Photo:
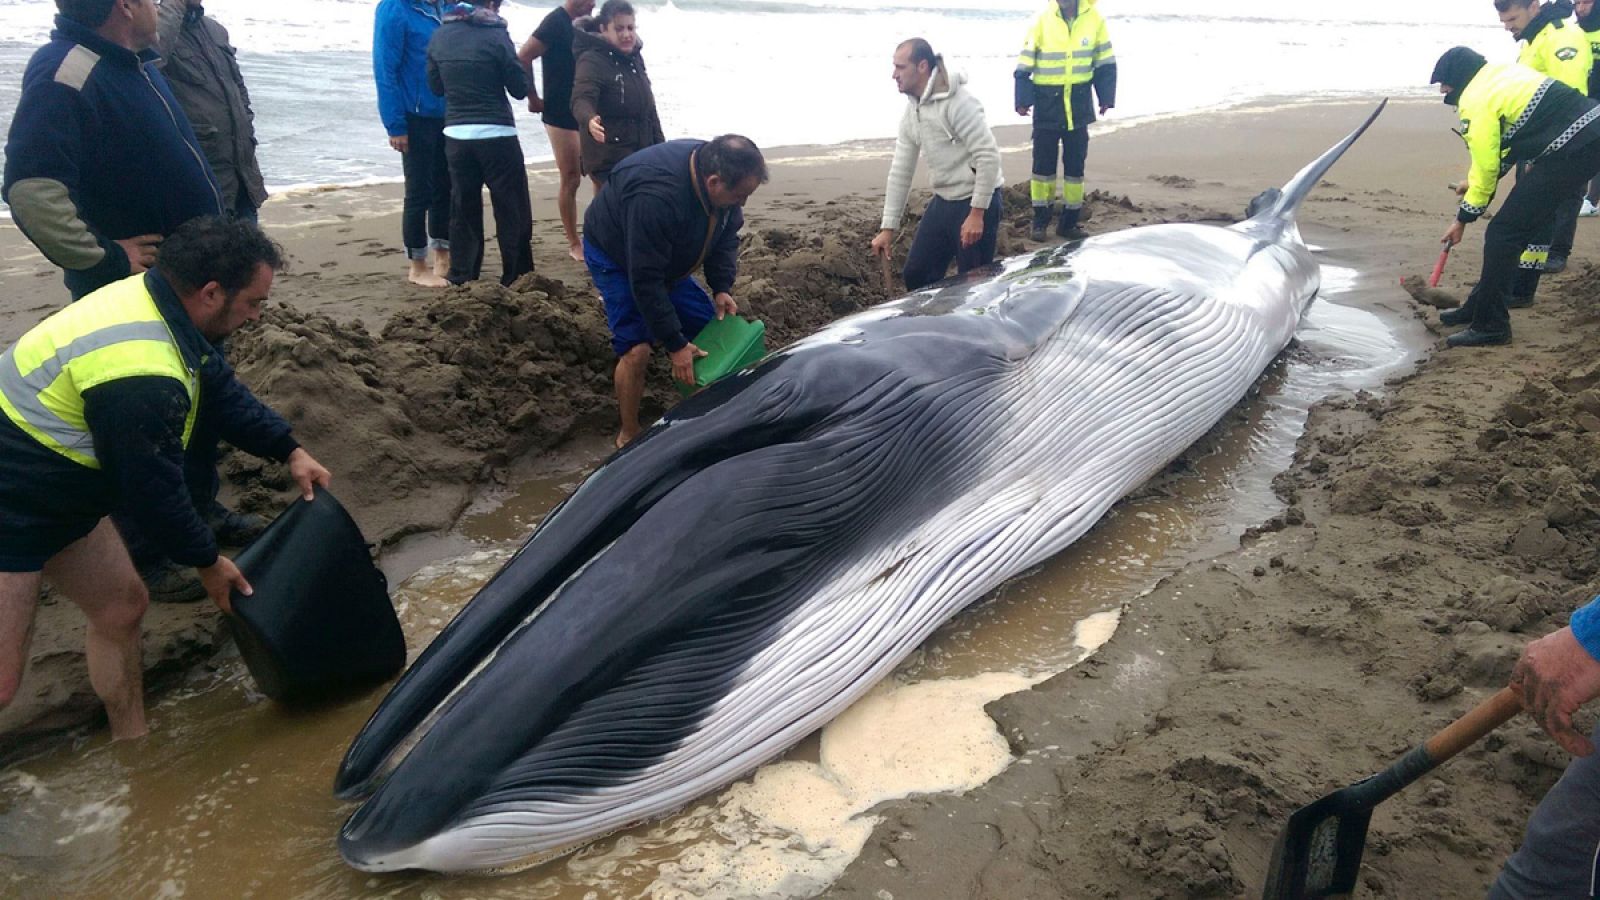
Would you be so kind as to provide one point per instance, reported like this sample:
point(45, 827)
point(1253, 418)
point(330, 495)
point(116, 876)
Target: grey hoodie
point(947, 125)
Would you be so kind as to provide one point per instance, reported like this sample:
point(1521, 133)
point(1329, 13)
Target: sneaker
point(1553, 264)
point(232, 528)
point(1589, 209)
point(1472, 337)
point(1458, 316)
point(169, 582)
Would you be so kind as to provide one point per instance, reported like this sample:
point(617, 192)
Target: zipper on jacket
point(216, 192)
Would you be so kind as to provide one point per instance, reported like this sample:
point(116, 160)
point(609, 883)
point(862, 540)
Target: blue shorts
point(622, 312)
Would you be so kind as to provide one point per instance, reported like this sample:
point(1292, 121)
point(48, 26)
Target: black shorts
point(28, 541)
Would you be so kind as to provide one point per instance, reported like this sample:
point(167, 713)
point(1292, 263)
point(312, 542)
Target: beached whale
point(776, 544)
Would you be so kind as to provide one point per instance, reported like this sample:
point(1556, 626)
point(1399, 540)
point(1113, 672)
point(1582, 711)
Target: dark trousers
point(496, 162)
point(1560, 852)
point(425, 218)
point(1074, 150)
point(1526, 219)
point(1566, 226)
point(938, 241)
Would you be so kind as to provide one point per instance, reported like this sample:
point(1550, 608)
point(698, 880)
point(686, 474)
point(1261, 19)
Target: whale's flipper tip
point(1288, 201)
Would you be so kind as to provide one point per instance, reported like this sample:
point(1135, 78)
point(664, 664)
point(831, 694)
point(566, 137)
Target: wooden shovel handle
point(1465, 731)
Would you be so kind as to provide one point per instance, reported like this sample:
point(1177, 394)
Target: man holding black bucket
point(97, 404)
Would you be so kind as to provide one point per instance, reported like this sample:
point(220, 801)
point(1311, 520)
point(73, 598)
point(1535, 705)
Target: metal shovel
point(1318, 853)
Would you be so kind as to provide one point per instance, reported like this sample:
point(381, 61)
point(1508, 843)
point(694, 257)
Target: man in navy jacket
point(666, 211)
point(101, 163)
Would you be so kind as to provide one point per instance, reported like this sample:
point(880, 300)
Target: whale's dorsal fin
point(1280, 214)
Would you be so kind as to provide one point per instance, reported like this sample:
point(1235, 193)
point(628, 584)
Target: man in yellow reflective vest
point(1556, 48)
point(1588, 20)
point(97, 404)
point(1066, 54)
point(1511, 114)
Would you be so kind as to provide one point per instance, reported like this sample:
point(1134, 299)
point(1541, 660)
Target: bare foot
point(576, 252)
point(441, 263)
point(624, 439)
point(419, 275)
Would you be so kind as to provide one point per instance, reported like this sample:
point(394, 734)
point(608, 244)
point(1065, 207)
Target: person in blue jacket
point(101, 163)
point(1560, 852)
point(413, 115)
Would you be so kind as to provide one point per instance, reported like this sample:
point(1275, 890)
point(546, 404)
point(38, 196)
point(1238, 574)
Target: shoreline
point(1296, 642)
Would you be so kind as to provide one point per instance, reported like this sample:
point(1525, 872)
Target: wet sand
point(1406, 560)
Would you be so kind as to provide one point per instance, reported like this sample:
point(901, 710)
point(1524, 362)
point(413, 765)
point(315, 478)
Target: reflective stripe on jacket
point(1510, 114)
point(1056, 51)
point(117, 332)
point(1559, 50)
point(1058, 55)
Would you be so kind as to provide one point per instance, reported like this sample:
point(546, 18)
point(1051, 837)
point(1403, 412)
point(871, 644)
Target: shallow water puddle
point(231, 795)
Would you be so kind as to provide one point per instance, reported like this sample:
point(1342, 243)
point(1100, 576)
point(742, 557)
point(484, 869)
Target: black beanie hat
point(1456, 68)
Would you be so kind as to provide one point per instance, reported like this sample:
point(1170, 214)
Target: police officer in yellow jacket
point(1066, 53)
point(1556, 48)
point(97, 404)
point(1511, 114)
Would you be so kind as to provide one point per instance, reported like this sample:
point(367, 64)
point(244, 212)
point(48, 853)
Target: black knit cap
point(1456, 68)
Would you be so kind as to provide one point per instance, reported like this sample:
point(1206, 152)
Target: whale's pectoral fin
point(771, 409)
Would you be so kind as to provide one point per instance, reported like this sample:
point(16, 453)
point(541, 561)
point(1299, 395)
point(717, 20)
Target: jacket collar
point(79, 33)
point(1551, 14)
point(191, 343)
point(433, 9)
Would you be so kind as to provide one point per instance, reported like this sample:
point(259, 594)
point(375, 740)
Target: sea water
point(787, 72)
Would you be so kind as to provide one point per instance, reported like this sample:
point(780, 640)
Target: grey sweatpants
point(1560, 850)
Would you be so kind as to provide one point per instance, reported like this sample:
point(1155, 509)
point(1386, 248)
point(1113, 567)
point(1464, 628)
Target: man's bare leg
point(441, 263)
point(19, 598)
point(631, 367)
point(96, 574)
point(421, 275)
point(565, 145)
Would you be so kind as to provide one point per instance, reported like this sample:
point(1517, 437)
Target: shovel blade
point(1318, 852)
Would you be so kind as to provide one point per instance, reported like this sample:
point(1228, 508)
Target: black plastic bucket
point(320, 623)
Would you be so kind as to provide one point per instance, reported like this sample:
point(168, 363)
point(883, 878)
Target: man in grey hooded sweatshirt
point(944, 121)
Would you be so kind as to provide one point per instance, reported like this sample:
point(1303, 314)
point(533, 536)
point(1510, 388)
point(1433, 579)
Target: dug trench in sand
point(1113, 830)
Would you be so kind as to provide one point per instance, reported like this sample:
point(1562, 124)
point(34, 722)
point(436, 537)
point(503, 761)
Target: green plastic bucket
point(731, 343)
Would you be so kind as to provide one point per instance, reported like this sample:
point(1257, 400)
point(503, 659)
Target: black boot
point(1068, 226)
point(1472, 337)
point(1519, 302)
point(169, 582)
point(1461, 315)
point(1041, 221)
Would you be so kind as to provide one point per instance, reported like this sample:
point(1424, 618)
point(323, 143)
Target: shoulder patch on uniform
point(76, 66)
point(1565, 54)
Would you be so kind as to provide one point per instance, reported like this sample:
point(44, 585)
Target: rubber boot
point(1068, 226)
point(1041, 221)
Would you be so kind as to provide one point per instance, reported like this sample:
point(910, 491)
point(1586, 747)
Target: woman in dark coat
point(611, 96)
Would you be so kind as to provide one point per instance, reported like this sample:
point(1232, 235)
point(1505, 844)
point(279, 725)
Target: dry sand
point(1428, 531)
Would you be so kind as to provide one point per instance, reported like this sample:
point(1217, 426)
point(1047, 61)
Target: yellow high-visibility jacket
point(116, 332)
point(1061, 57)
point(1559, 49)
point(1510, 114)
